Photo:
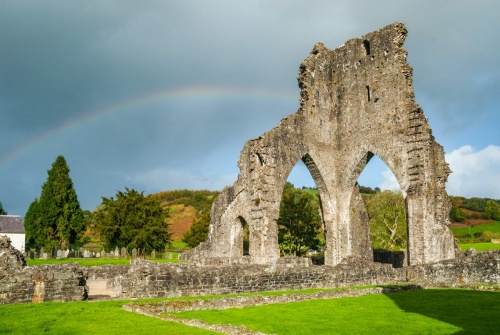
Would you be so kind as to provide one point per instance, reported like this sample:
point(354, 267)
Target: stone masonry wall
point(21, 283)
point(148, 279)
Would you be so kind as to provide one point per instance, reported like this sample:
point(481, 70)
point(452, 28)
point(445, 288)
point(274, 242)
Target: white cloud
point(475, 173)
point(161, 179)
point(389, 182)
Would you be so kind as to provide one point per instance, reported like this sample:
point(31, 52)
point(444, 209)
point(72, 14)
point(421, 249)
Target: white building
point(13, 227)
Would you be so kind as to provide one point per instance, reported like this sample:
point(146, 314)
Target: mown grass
point(486, 246)
point(442, 311)
point(99, 261)
point(178, 245)
point(417, 312)
point(105, 317)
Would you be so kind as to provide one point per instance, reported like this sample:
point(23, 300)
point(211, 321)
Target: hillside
point(184, 207)
point(180, 220)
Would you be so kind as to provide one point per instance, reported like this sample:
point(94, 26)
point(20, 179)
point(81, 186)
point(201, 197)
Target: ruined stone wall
point(148, 279)
point(356, 101)
point(42, 283)
point(21, 283)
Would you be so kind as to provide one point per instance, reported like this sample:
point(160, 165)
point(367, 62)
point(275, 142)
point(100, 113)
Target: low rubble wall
point(149, 279)
point(146, 279)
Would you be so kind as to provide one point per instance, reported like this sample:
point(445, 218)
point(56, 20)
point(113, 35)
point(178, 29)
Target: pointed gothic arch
point(355, 101)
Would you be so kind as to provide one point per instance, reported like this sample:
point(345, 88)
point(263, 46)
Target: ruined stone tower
point(356, 101)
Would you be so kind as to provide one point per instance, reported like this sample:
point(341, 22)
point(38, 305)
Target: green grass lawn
point(493, 227)
point(105, 317)
point(179, 245)
point(99, 261)
point(417, 312)
point(442, 311)
point(486, 246)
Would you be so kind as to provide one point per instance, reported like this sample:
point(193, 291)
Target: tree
point(32, 225)
point(387, 212)
point(457, 215)
point(198, 232)
point(2, 211)
point(55, 220)
point(492, 210)
point(299, 222)
point(132, 220)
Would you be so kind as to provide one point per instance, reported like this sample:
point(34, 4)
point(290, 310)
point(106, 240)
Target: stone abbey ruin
point(356, 101)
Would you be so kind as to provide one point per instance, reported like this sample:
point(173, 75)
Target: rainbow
point(164, 95)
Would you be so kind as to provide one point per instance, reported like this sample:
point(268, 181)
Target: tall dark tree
point(2, 211)
point(32, 226)
point(299, 222)
point(132, 220)
point(56, 219)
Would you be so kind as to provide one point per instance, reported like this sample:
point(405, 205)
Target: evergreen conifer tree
point(132, 220)
point(56, 219)
point(32, 225)
point(2, 211)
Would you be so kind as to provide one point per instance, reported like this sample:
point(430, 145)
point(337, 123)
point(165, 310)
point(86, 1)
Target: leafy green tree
point(492, 210)
point(475, 204)
point(299, 222)
point(2, 211)
point(55, 220)
point(198, 232)
point(387, 212)
point(457, 215)
point(132, 220)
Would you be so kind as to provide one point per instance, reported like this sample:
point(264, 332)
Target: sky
point(161, 95)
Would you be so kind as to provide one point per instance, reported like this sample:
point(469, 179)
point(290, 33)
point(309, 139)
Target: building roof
point(11, 224)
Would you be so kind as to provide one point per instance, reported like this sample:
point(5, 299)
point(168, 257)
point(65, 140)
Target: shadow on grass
point(476, 312)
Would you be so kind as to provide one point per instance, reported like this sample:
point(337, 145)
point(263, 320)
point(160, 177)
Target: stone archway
point(355, 101)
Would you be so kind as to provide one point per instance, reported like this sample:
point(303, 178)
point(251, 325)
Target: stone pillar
point(39, 288)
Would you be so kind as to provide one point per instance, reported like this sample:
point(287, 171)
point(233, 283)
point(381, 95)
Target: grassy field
point(486, 246)
point(99, 261)
point(417, 312)
point(105, 317)
point(476, 238)
point(493, 227)
point(442, 311)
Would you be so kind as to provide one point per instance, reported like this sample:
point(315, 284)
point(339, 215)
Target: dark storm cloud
point(61, 61)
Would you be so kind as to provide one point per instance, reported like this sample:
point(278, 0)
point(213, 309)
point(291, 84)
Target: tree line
point(474, 208)
point(131, 219)
point(300, 229)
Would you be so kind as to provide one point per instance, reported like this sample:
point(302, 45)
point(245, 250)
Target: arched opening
point(300, 223)
point(386, 207)
point(366, 44)
point(245, 236)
